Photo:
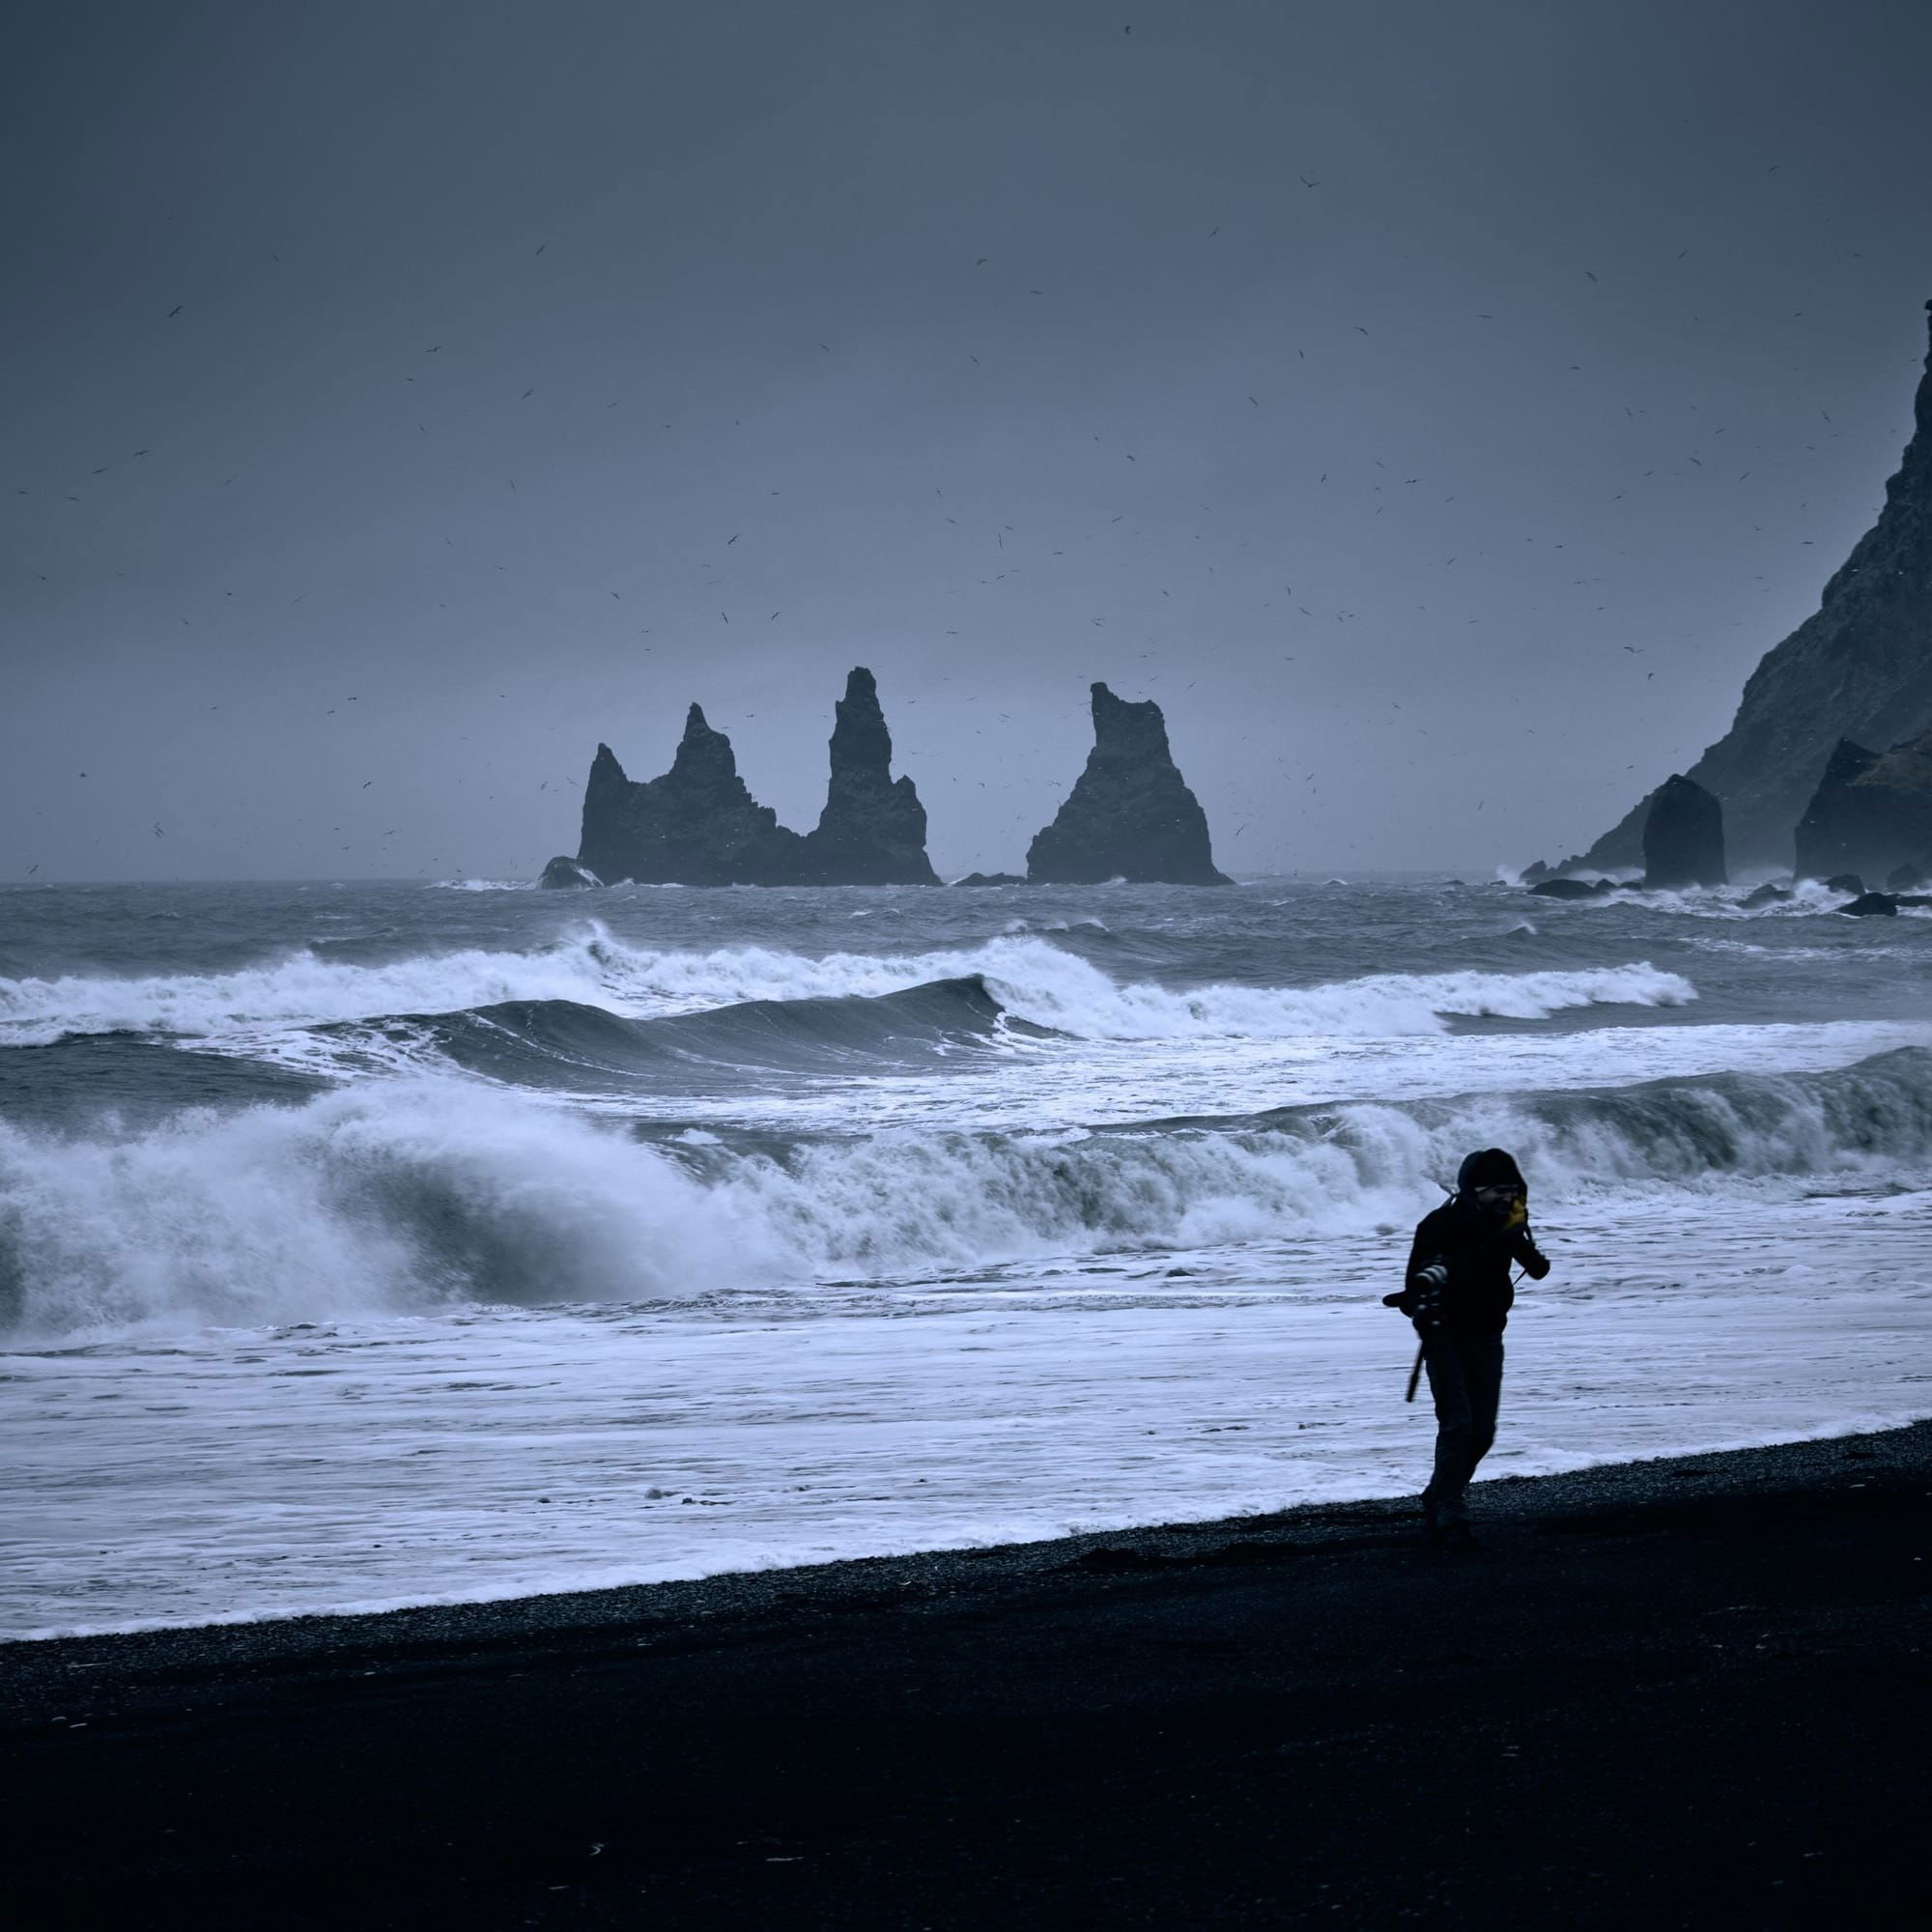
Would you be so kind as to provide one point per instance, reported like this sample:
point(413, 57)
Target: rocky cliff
point(1859, 667)
point(1871, 814)
point(872, 830)
point(1130, 815)
point(697, 825)
point(1683, 836)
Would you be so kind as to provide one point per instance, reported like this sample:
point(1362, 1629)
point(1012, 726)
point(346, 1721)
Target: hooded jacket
point(1476, 1250)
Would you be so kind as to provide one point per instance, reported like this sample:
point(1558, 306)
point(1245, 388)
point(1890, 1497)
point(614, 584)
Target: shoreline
point(539, 1613)
point(1686, 1691)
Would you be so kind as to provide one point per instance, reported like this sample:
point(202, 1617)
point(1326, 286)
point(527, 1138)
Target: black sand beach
point(1675, 1693)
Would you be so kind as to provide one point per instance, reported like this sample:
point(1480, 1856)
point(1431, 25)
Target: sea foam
point(1031, 977)
point(417, 1195)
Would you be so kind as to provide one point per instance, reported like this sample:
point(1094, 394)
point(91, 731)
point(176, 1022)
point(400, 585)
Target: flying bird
point(176, 310)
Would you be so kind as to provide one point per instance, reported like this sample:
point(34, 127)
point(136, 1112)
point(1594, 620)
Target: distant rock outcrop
point(1858, 667)
point(565, 872)
point(1871, 813)
point(1683, 837)
point(872, 830)
point(1868, 906)
point(990, 879)
point(1573, 888)
point(1130, 815)
point(697, 825)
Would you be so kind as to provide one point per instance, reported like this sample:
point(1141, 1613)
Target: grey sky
point(1333, 375)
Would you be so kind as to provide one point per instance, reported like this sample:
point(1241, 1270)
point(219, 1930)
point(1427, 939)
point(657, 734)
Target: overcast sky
point(1437, 409)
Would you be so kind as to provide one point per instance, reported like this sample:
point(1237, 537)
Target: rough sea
point(374, 1244)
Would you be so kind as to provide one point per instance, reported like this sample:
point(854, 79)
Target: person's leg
point(1454, 1426)
point(1483, 1378)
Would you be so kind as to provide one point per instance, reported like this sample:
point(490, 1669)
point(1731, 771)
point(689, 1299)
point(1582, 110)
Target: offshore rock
point(565, 872)
point(1866, 905)
point(1572, 889)
point(1860, 668)
point(1130, 815)
point(1683, 837)
point(1820, 828)
point(990, 879)
point(1872, 811)
point(1765, 894)
point(697, 825)
point(872, 830)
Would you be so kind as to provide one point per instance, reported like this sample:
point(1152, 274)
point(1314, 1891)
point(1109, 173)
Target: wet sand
point(1688, 1692)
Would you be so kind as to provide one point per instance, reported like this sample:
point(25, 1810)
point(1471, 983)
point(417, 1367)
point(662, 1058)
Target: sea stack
point(1683, 837)
point(1871, 813)
point(1859, 667)
point(1130, 815)
point(564, 873)
point(697, 825)
point(872, 830)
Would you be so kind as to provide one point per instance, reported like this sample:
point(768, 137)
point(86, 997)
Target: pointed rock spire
point(1861, 667)
point(872, 830)
point(697, 825)
point(1130, 815)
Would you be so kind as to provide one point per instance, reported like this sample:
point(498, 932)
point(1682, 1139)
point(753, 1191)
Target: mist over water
point(282, 1142)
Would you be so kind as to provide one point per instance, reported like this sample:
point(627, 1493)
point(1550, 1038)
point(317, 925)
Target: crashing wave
point(413, 1195)
point(1031, 980)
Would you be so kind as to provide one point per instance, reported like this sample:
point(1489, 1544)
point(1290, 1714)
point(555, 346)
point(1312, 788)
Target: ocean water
point(375, 1244)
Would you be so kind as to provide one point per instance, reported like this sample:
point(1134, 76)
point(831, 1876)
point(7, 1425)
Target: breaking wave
point(412, 1195)
point(1031, 979)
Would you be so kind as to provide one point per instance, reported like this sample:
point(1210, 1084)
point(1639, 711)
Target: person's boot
point(1432, 1522)
point(1457, 1535)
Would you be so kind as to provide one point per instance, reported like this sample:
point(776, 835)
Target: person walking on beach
point(1457, 1291)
